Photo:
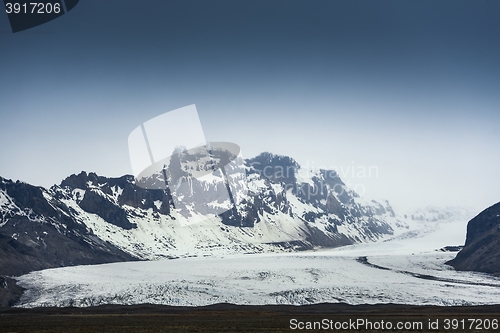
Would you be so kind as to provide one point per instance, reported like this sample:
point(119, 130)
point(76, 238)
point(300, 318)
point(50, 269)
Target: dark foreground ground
point(232, 318)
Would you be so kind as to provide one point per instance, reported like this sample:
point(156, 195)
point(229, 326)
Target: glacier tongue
point(392, 276)
point(369, 273)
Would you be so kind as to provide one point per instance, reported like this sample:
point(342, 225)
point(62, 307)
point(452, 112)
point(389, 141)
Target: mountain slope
point(38, 232)
point(280, 213)
point(482, 246)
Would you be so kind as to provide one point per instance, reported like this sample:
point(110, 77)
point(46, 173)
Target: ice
point(334, 275)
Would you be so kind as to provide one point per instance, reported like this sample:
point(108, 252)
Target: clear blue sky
point(411, 87)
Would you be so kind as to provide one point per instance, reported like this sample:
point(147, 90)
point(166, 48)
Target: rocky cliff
point(482, 247)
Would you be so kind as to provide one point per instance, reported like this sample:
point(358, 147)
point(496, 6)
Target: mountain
point(482, 247)
point(90, 219)
point(38, 231)
point(436, 214)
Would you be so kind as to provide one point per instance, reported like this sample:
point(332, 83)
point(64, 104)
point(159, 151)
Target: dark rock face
point(482, 247)
point(96, 204)
point(131, 195)
point(10, 292)
point(275, 168)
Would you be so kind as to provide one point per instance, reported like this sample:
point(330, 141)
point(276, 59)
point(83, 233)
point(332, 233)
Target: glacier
point(326, 275)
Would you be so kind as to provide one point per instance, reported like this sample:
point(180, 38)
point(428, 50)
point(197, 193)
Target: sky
point(406, 89)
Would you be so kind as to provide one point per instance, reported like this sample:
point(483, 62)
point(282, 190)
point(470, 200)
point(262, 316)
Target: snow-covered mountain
point(91, 219)
point(435, 214)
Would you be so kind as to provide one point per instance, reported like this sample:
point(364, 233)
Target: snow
point(334, 275)
point(256, 185)
point(7, 208)
point(305, 176)
point(300, 207)
point(160, 236)
point(116, 192)
point(78, 194)
point(158, 204)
